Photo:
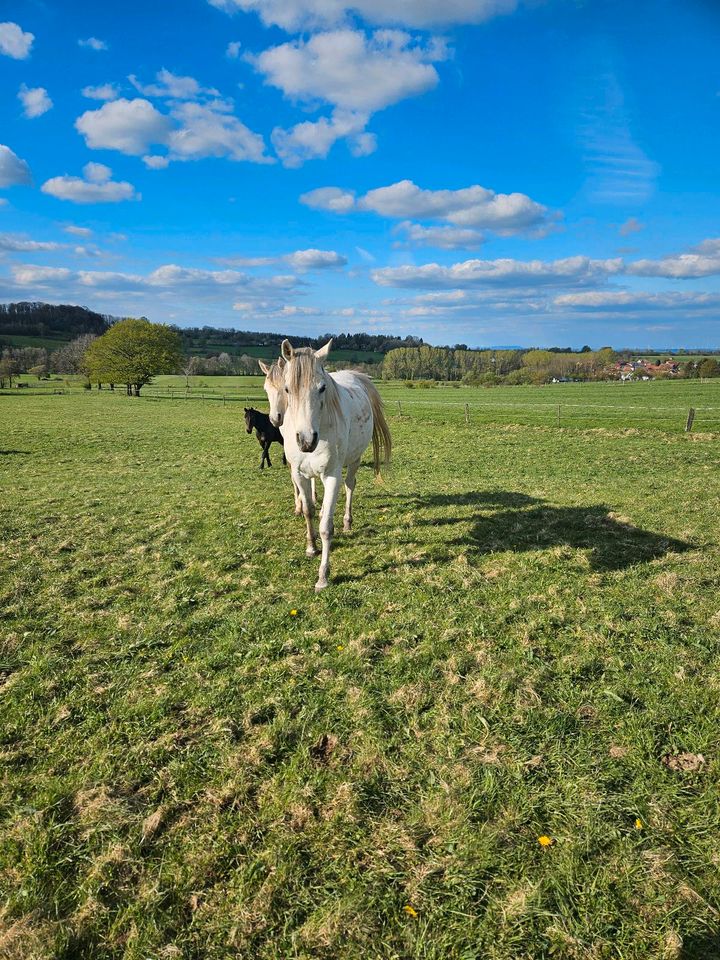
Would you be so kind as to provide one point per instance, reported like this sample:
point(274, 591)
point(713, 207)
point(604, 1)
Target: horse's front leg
point(302, 484)
point(332, 488)
point(349, 489)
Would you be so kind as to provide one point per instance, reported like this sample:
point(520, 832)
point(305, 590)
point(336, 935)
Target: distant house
point(627, 369)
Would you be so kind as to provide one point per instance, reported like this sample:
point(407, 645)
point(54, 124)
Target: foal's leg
point(349, 488)
point(303, 486)
point(267, 453)
point(332, 488)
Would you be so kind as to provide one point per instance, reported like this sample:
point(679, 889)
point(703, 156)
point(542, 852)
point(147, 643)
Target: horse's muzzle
point(305, 446)
point(276, 421)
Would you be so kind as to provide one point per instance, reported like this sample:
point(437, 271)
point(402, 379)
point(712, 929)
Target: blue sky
point(533, 172)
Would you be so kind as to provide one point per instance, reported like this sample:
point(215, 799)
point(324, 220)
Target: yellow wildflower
point(545, 841)
point(293, 613)
point(340, 647)
point(639, 824)
point(410, 911)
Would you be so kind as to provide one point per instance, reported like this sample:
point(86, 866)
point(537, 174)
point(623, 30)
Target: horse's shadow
point(506, 521)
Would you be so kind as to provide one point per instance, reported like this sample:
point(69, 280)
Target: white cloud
point(300, 260)
point(156, 162)
point(571, 271)
point(631, 225)
point(473, 207)
point(104, 91)
point(332, 199)
point(637, 300)
point(130, 126)
point(14, 244)
point(35, 101)
point(78, 231)
point(206, 131)
point(701, 261)
point(13, 170)
point(446, 238)
point(29, 275)
point(232, 51)
point(351, 70)
point(191, 131)
point(173, 87)
point(92, 43)
point(14, 42)
point(95, 187)
point(310, 14)
point(311, 140)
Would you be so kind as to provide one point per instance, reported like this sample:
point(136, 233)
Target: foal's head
point(249, 418)
point(274, 387)
point(309, 390)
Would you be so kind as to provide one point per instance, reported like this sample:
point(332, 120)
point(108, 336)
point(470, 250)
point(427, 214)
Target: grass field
point(202, 759)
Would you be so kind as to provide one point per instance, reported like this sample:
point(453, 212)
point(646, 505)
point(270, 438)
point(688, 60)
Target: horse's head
point(274, 387)
point(249, 419)
point(307, 389)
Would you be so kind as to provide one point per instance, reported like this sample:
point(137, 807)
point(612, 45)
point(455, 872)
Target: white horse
point(328, 423)
point(274, 387)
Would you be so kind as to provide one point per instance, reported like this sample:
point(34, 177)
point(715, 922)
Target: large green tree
point(133, 352)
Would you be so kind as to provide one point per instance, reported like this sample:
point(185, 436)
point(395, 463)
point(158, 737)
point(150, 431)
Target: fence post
point(467, 415)
point(690, 419)
point(399, 408)
point(558, 414)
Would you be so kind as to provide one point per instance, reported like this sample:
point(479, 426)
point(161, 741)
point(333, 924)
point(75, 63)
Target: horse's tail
point(381, 439)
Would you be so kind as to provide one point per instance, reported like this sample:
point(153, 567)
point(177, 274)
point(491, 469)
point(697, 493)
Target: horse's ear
point(264, 367)
point(286, 349)
point(281, 363)
point(245, 409)
point(323, 352)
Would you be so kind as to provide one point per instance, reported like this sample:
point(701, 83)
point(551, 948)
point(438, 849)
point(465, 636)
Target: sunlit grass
point(204, 759)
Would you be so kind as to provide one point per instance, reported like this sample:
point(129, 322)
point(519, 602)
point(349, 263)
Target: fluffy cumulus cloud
point(570, 271)
point(471, 207)
point(95, 186)
point(14, 41)
point(356, 74)
point(35, 101)
point(170, 85)
point(15, 244)
point(444, 238)
point(190, 131)
point(351, 70)
point(296, 15)
point(103, 91)
point(13, 170)
point(92, 43)
point(700, 261)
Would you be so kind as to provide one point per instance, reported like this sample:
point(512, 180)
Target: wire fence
point(655, 414)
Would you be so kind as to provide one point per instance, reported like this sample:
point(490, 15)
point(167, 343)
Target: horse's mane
point(300, 375)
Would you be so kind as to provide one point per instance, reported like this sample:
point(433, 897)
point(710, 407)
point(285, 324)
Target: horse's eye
point(286, 390)
point(322, 389)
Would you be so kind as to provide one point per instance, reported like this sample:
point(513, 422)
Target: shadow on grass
point(10, 453)
point(523, 523)
point(705, 946)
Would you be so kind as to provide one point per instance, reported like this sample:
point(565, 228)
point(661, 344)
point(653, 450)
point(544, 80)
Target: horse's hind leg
point(332, 488)
point(350, 478)
point(303, 486)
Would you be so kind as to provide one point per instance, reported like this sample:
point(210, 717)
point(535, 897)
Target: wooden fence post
point(558, 414)
point(690, 419)
point(399, 408)
point(467, 415)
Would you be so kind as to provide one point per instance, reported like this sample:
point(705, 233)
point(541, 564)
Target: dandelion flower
point(340, 647)
point(293, 613)
point(410, 911)
point(639, 824)
point(545, 841)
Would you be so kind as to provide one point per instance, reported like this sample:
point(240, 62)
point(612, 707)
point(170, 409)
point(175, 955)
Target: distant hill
point(49, 321)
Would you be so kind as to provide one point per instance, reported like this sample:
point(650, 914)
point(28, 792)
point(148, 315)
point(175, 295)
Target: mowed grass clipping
point(494, 736)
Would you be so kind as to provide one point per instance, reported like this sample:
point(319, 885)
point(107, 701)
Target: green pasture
point(49, 343)
point(653, 405)
point(202, 759)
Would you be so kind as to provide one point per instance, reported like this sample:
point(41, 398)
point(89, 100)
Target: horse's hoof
point(320, 585)
point(347, 527)
point(312, 552)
